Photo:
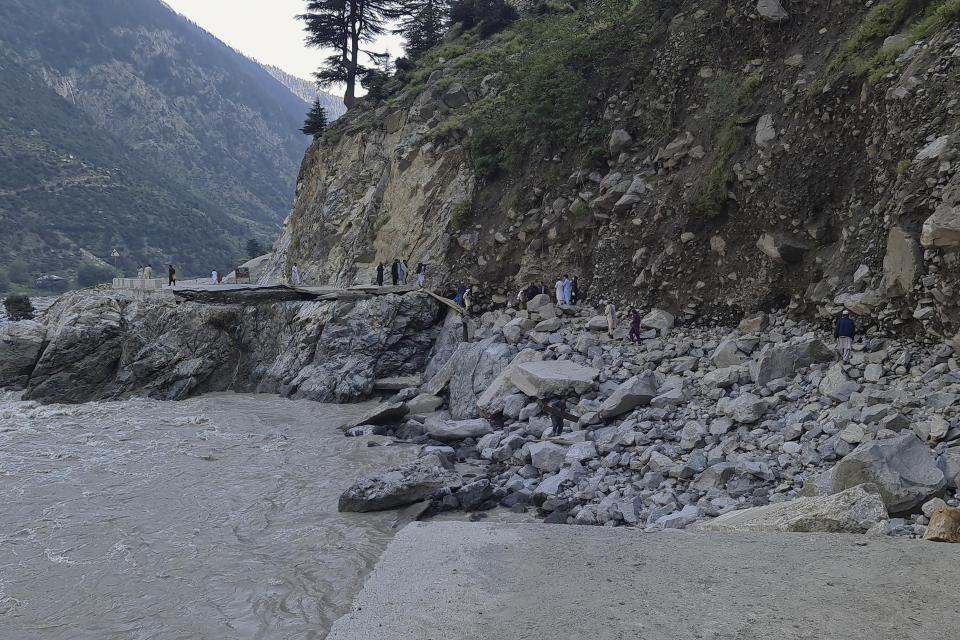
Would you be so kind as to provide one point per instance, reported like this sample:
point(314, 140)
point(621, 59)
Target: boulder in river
point(406, 484)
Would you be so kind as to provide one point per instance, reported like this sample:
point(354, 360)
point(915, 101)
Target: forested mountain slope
point(153, 95)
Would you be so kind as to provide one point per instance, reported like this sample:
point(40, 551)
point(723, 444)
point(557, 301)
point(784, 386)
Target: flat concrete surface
point(458, 581)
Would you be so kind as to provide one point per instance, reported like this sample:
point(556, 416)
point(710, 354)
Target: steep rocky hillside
point(202, 114)
point(308, 92)
point(709, 158)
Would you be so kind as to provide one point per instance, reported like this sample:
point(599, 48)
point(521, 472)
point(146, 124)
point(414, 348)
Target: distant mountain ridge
point(308, 91)
point(158, 97)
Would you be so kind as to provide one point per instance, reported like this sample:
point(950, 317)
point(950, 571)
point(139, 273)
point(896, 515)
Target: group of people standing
point(399, 272)
point(568, 291)
point(146, 273)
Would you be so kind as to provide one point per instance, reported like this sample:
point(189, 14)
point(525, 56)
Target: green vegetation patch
point(863, 53)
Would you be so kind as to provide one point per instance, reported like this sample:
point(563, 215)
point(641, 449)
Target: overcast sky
point(263, 29)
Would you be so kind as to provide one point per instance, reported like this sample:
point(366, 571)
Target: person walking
point(213, 276)
point(395, 272)
point(140, 271)
point(403, 272)
point(171, 276)
point(559, 289)
point(567, 289)
point(148, 272)
point(575, 290)
point(466, 300)
point(421, 273)
point(522, 299)
point(295, 275)
point(635, 327)
point(844, 331)
point(559, 406)
point(611, 313)
point(379, 274)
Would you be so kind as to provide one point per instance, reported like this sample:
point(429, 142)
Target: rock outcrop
point(105, 344)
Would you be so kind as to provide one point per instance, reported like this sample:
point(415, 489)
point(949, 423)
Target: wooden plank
point(450, 303)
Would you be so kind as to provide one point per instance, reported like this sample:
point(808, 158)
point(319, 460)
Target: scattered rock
point(853, 510)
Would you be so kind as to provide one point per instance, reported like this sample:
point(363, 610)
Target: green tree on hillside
point(421, 24)
point(90, 273)
point(254, 248)
point(344, 26)
point(314, 125)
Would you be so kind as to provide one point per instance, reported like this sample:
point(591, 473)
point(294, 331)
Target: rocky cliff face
point(104, 344)
point(730, 157)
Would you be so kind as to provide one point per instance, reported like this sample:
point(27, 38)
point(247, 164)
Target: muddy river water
point(204, 519)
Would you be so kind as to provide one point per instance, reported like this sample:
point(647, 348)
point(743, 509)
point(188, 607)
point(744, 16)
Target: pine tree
point(345, 25)
point(316, 120)
point(421, 23)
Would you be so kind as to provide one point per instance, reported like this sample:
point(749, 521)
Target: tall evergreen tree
point(421, 23)
point(316, 120)
point(344, 26)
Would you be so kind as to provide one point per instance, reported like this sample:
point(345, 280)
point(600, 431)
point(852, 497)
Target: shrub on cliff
point(18, 307)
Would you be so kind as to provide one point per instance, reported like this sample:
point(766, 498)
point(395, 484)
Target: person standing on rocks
point(379, 274)
point(522, 299)
point(844, 331)
point(567, 289)
point(559, 288)
point(140, 271)
point(395, 272)
point(635, 327)
point(403, 272)
point(148, 272)
point(171, 276)
point(421, 273)
point(611, 314)
point(295, 275)
point(213, 276)
point(575, 291)
point(559, 406)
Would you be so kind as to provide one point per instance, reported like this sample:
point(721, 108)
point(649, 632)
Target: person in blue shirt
point(844, 331)
point(567, 289)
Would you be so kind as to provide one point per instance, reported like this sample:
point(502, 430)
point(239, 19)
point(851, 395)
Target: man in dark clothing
point(560, 406)
point(172, 275)
point(844, 331)
point(635, 327)
point(575, 290)
point(395, 271)
point(380, 274)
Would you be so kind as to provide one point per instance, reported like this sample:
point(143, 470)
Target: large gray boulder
point(745, 408)
point(942, 229)
point(547, 456)
point(657, 319)
point(469, 371)
point(837, 385)
point(904, 470)
point(636, 392)
point(853, 510)
point(453, 430)
point(541, 379)
point(493, 399)
point(902, 263)
point(20, 345)
point(772, 11)
point(408, 483)
point(783, 361)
